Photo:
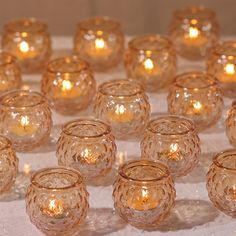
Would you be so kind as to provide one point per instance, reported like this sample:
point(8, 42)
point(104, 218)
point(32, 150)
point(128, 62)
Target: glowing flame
point(24, 121)
point(144, 193)
point(193, 32)
point(197, 105)
point(24, 47)
point(148, 64)
point(66, 85)
point(229, 69)
point(55, 207)
point(173, 147)
point(120, 109)
point(27, 168)
point(99, 43)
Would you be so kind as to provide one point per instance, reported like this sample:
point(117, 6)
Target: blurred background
point(137, 16)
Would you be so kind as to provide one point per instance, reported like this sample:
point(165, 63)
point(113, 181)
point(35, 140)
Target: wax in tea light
point(25, 51)
point(55, 208)
point(121, 114)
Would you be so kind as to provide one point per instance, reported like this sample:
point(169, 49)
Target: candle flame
point(24, 121)
point(88, 156)
point(229, 69)
point(66, 85)
point(99, 43)
point(173, 148)
point(24, 47)
point(148, 64)
point(27, 168)
point(193, 32)
point(120, 109)
point(144, 193)
point(197, 105)
point(55, 207)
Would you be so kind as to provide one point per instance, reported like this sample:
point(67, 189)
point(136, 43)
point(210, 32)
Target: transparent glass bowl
point(25, 118)
point(10, 74)
point(8, 164)
point(174, 141)
point(88, 146)
point(221, 182)
point(99, 41)
point(124, 105)
point(151, 59)
point(57, 200)
point(197, 96)
point(143, 193)
point(29, 41)
point(193, 30)
point(68, 83)
point(222, 64)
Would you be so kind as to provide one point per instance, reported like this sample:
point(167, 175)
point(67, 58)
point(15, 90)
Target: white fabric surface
point(193, 215)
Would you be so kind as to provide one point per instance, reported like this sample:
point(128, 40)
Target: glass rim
point(191, 129)
point(224, 153)
point(103, 86)
point(12, 58)
point(143, 162)
point(84, 64)
point(86, 121)
point(211, 79)
point(147, 37)
point(179, 13)
point(114, 24)
point(7, 144)
point(18, 92)
point(43, 26)
point(51, 170)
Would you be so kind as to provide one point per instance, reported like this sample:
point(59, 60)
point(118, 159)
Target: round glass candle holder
point(196, 95)
point(143, 193)
point(10, 74)
point(222, 64)
point(29, 41)
point(124, 105)
point(99, 41)
point(57, 200)
point(25, 118)
point(231, 124)
point(88, 146)
point(174, 141)
point(221, 182)
point(68, 83)
point(8, 164)
point(151, 59)
point(193, 30)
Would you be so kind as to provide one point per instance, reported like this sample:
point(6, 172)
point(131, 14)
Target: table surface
point(193, 214)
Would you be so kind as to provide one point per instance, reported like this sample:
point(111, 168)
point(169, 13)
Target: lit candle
point(193, 36)
point(142, 200)
point(121, 114)
point(68, 90)
point(27, 168)
point(89, 156)
point(174, 153)
point(195, 108)
point(231, 193)
point(150, 68)
point(55, 208)
point(229, 73)
point(23, 127)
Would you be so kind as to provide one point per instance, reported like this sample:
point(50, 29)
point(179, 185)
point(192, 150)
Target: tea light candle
point(69, 84)
point(151, 59)
point(54, 209)
point(100, 42)
point(27, 39)
point(196, 95)
point(193, 30)
point(124, 105)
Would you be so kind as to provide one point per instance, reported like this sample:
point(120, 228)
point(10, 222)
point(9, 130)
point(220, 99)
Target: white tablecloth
point(193, 215)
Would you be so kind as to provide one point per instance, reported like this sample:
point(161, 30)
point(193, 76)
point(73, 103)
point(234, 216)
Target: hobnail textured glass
point(27, 39)
point(8, 164)
point(197, 96)
point(221, 182)
point(230, 124)
point(222, 64)
point(69, 84)
point(143, 193)
point(172, 140)
point(151, 59)
point(124, 106)
point(193, 30)
point(25, 118)
point(99, 41)
point(88, 146)
point(57, 201)
point(10, 74)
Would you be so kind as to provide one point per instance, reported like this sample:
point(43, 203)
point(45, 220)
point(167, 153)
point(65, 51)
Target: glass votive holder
point(124, 105)
point(25, 118)
point(151, 59)
point(88, 146)
point(221, 182)
point(222, 64)
point(29, 41)
point(8, 164)
point(99, 41)
point(143, 193)
point(231, 125)
point(57, 200)
point(193, 30)
point(68, 83)
point(173, 140)
point(196, 95)
point(10, 74)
